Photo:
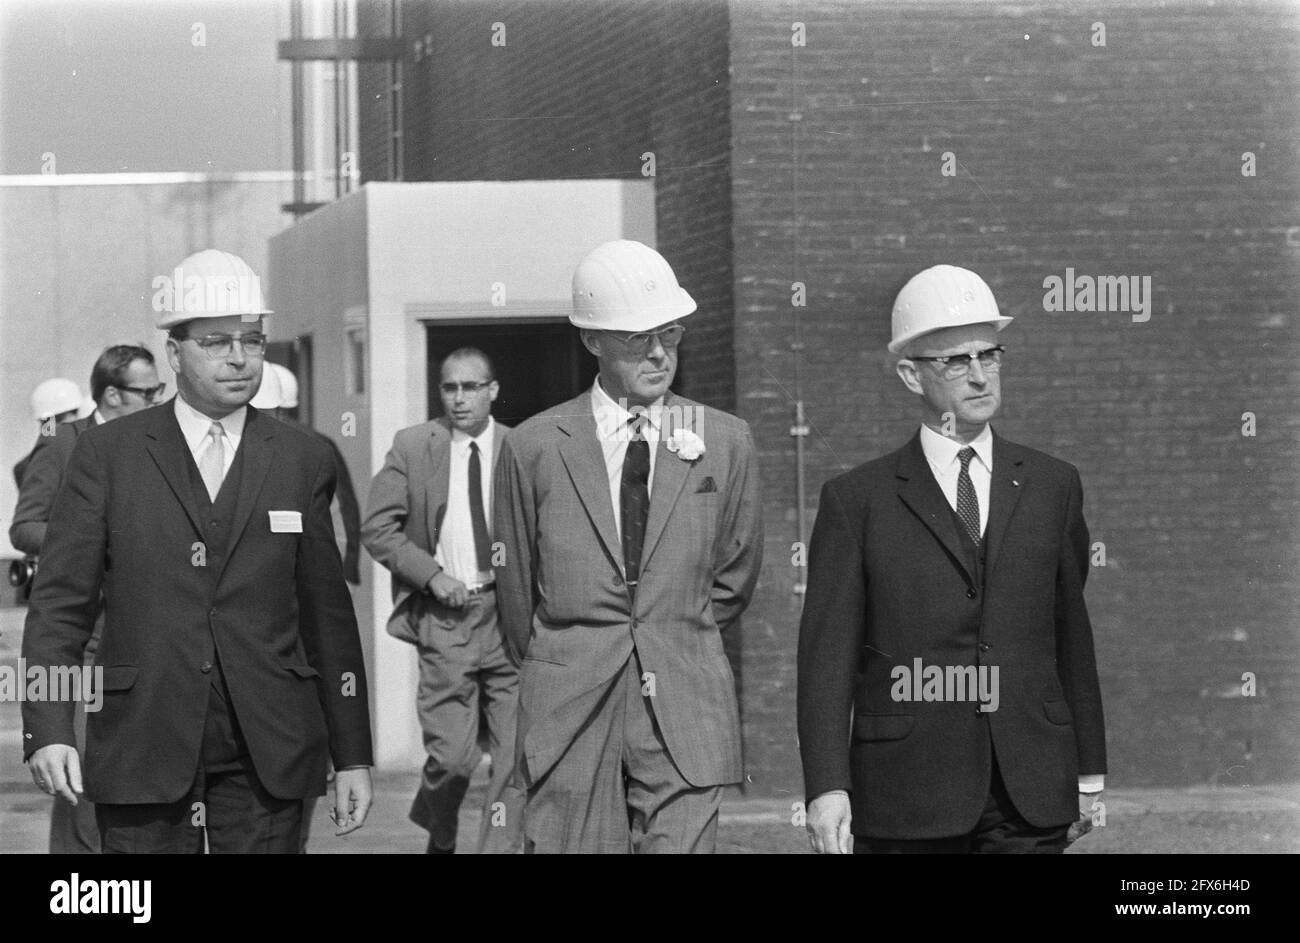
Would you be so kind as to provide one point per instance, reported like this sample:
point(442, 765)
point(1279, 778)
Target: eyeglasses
point(218, 346)
point(640, 342)
point(469, 386)
point(150, 393)
point(958, 365)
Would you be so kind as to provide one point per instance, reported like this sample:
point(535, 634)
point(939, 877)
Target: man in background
point(428, 521)
point(123, 380)
point(54, 401)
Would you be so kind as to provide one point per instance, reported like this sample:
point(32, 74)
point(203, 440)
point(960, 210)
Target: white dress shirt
point(615, 432)
point(455, 552)
point(941, 453)
point(195, 426)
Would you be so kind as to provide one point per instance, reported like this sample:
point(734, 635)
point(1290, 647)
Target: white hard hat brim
point(171, 320)
point(641, 318)
point(898, 345)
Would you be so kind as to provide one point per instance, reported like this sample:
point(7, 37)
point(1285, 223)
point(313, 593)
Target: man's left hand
point(1083, 825)
point(352, 797)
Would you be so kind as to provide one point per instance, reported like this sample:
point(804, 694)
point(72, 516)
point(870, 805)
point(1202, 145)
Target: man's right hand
point(828, 824)
point(56, 770)
point(448, 590)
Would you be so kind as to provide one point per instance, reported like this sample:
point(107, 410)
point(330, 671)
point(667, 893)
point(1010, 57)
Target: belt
point(483, 588)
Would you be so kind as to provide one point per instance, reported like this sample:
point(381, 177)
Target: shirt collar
point(195, 425)
point(941, 451)
point(462, 439)
point(97, 418)
point(612, 419)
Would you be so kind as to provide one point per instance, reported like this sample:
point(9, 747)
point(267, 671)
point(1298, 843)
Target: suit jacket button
point(205, 667)
point(970, 592)
point(984, 646)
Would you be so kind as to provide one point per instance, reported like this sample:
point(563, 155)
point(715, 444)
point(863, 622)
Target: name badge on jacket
point(286, 522)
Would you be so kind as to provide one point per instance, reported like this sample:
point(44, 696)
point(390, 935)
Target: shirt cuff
point(1095, 782)
point(831, 792)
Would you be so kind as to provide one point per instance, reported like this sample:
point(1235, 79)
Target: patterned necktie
point(482, 549)
point(634, 500)
point(968, 505)
point(212, 466)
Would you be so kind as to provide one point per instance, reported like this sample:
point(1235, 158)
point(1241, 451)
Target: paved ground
point(1244, 819)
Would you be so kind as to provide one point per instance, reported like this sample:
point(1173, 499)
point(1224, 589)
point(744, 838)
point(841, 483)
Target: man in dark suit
point(429, 522)
point(945, 616)
point(54, 402)
point(231, 663)
point(123, 381)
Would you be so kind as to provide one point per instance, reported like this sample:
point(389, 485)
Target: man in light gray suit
point(427, 521)
point(629, 519)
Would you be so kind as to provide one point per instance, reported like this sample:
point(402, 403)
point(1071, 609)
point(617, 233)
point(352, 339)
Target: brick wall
point(823, 165)
point(583, 89)
point(1123, 159)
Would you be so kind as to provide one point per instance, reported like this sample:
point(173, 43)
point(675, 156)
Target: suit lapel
point(259, 452)
point(585, 461)
point(172, 455)
point(1004, 491)
point(920, 492)
point(439, 483)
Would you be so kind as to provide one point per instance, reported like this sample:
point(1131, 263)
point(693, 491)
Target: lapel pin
point(1014, 483)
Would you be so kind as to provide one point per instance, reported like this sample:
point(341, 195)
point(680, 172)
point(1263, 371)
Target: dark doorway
point(538, 365)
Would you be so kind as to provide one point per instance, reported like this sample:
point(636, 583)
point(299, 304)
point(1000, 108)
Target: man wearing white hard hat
point(232, 665)
point(945, 618)
point(632, 539)
point(54, 401)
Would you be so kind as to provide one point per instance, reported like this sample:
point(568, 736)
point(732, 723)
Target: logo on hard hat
point(207, 295)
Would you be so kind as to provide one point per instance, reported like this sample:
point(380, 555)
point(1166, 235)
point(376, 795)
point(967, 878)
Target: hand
point(828, 824)
point(448, 591)
point(56, 769)
point(1083, 825)
point(352, 797)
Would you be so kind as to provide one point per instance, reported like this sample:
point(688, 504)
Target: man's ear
point(493, 389)
point(173, 354)
point(907, 372)
point(590, 341)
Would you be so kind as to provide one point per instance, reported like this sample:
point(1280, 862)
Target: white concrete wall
point(78, 255)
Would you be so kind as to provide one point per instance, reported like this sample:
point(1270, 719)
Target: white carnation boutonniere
point(685, 444)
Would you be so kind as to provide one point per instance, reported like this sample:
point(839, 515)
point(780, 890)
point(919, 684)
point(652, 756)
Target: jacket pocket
point(119, 677)
point(1058, 712)
point(882, 726)
point(303, 671)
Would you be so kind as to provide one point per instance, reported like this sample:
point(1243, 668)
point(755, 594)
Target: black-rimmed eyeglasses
point(150, 393)
point(958, 365)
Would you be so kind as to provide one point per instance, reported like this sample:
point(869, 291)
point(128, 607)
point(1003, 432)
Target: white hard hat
point(939, 297)
point(268, 395)
point(53, 397)
point(288, 385)
point(208, 284)
point(626, 286)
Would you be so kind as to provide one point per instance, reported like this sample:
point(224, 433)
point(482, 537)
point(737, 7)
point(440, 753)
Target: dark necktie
point(482, 548)
point(634, 501)
point(968, 505)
